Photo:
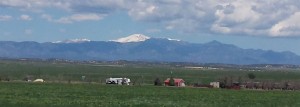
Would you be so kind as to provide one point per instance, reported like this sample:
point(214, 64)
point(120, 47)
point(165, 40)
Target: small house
point(177, 82)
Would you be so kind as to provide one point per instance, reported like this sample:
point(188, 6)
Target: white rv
point(119, 81)
point(38, 80)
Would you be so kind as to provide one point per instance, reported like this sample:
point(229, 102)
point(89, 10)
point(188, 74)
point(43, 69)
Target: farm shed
point(177, 82)
point(215, 84)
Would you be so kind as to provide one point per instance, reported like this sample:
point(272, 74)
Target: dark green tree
point(171, 82)
point(251, 76)
point(157, 82)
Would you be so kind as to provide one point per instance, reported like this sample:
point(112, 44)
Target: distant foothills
point(139, 47)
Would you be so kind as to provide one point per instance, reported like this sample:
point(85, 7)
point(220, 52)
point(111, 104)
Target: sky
point(256, 24)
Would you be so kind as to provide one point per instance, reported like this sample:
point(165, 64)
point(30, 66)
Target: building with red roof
point(177, 82)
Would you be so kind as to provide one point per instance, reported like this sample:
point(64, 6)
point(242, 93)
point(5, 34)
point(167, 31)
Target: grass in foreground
point(91, 95)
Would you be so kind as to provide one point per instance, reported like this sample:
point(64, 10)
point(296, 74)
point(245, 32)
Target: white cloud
point(25, 17)
point(83, 17)
point(170, 27)
point(35, 5)
point(237, 17)
point(74, 18)
point(287, 27)
point(218, 28)
point(47, 17)
point(5, 17)
point(186, 16)
point(80, 17)
point(64, 20)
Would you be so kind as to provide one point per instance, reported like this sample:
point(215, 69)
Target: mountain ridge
point(151, 49)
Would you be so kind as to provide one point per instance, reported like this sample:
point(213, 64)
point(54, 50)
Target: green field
point(64, 86)
point(94, 95)
point(63, 72)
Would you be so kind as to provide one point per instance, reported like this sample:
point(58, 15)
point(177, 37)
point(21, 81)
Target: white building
point(119, 81)
point(215, 84)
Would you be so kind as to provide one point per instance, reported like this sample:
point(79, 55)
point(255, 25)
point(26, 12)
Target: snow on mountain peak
point(73, 41)
point(170, 39)
point(132, 38)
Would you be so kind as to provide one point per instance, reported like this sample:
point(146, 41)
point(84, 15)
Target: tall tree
point(171, 82)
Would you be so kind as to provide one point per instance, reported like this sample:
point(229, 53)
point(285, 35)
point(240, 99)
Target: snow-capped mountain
point(139, 47)
point(73, 41)
point(133, 38)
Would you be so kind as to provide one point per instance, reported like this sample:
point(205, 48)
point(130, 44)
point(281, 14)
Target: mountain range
point(139, 47)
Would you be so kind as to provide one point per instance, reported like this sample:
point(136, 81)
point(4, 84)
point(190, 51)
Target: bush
point(251, 76)
point(157, 82)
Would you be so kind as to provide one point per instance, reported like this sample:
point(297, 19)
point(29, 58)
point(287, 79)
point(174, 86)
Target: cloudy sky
point(258, 24)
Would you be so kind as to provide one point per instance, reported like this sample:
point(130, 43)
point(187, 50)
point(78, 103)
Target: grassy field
point(54, 72)
point(95, 95)
point(92, 92)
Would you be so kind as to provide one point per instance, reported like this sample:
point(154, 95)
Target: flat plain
point(64, 86)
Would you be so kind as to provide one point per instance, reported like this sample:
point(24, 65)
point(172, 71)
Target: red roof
point(176, 80)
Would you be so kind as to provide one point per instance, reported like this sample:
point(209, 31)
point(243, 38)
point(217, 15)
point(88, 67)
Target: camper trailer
point(119, 81)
